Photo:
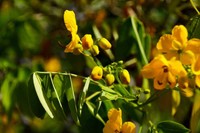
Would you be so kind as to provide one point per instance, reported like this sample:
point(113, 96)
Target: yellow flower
point(114, 123)
point(177, 45)
point(87, 41)
point(163, 71)
point(97, 73)
point(52, 65)
point(70, 23)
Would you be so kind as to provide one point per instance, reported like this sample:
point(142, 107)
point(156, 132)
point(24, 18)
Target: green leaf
point(33, 100)
point(71, 99)
point(83, 95)
point(172, 127)
point(108, 96)
point(42, 97)
point(7, 90)
point(55, 100)
point(91, 108)
point(193, 27)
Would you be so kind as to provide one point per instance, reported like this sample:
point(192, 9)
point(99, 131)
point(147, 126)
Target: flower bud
point(87, 41)
point(94, 50)
point(97, 73)
point(104, 44)
point(110, 78)
point(125, 76)
point(78, 49)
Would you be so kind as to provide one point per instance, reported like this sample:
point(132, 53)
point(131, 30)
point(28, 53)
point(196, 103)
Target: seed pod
point(94, 50)
point(97, 73)
point(87, 41)
point(125, 76)
point(104, 44)
point(110, 79)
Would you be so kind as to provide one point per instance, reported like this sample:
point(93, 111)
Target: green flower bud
point(110, 79)
point(104, 44)
point(97, 73)
point(125, 76)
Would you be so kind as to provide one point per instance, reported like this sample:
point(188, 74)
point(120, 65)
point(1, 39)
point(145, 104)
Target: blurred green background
point(32, 36)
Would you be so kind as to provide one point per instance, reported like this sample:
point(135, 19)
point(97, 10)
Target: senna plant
point(110, 101)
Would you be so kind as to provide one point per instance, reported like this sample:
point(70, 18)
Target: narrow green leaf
point(40, 94)
point(33, 100)
point(91, 107)
point(83, 95)
point(134, 22)
point(172, 127)
point(71, 99)
point(57, 102)
point(193, 27)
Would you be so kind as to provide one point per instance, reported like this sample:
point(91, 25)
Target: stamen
point(165, 69)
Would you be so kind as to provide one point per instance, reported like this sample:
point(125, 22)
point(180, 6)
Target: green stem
point(154, 96)
point(193, 4)
point(93, 95)
point(138, 40)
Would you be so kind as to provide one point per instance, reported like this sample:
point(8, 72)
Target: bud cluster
point(110, 73)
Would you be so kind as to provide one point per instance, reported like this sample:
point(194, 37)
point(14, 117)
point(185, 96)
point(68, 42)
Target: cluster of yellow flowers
point(77, 45)
point(177, 64)
point(109, 73)
point(114, 123)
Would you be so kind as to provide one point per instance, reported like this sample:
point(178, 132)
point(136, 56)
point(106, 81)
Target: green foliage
point(171, 127)
point(31, 32)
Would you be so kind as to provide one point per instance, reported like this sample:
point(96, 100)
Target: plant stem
point(93, 95)
point(193, 4)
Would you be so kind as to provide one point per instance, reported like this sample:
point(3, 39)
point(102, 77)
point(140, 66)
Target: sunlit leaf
point(172, 127)
point(42, 97)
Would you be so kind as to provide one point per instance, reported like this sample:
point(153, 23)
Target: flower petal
point(197, 80)
point(171, 80)
point(196, 66)
point(70, 21)
point(128, 127)
point(115, 116)
point(75, 40)
point(160, 81)
point(194, 45)
point(165, 43)
point(187, 57)
point(180, 33)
